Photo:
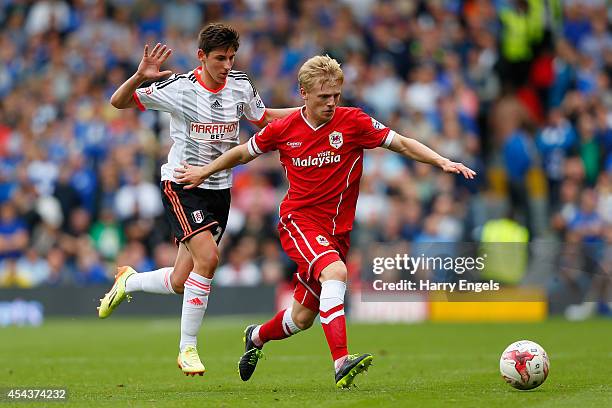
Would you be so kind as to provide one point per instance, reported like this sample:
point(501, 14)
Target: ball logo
point(322, 240)
point(335, 139)
point(198, 217)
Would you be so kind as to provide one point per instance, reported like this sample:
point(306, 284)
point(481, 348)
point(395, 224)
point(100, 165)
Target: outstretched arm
point(193, 176)
point(418, 151)
point(273, 114)
point(148, 70)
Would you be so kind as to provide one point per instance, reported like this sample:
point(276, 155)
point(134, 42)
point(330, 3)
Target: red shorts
point(312, 248)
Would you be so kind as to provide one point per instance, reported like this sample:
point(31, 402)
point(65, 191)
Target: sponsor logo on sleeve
point(377, 125)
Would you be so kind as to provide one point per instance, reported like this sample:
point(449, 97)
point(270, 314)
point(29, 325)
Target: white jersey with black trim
point(204, 122)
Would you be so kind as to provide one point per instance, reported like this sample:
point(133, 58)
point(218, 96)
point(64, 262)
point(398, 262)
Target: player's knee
point(303, 319)
point(334, 271)
point(206, 263)
point(178, 285)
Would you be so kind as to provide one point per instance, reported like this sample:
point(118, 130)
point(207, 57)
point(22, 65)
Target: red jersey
point(323, 165)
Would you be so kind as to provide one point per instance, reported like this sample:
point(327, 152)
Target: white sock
point(195, 300)
point(289, 326)
point(255, 336)
point(339, 362)
point(157, 281)
point(332, 296)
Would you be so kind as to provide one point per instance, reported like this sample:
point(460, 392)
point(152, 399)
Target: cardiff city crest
point(335, 139)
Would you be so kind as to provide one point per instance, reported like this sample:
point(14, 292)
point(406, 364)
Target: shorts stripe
point(294, 241)
point(176, 206)
point(304, 238)
point(181, 221)
point(180, 208)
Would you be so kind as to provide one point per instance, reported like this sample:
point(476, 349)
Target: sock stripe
point(197, 284)
point(327, 320)
point(327, 313)
point(288, 324)
point(167, 280)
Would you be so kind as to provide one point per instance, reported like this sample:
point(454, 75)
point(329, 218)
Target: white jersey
point(204, 122)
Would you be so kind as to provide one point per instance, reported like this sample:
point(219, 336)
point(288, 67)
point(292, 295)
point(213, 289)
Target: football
point(524, 365)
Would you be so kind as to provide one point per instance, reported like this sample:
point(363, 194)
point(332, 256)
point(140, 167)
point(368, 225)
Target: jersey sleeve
point(160, 96)
point(263, 141)
point(254, 109)
point(372, 133)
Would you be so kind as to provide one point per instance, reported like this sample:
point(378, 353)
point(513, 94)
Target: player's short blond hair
point(319, 69)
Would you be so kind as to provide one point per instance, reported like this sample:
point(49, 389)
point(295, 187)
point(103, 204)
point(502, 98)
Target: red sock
point(279, 327)
point(331, 311)
point(335, 333)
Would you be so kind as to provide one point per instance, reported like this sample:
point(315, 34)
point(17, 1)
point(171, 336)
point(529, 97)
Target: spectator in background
point(13, 233)
point(587, 223)
point(66, 194)
point(89, 269)
point(598, 41)
point(423, 92)
point(521, 29)
point(555, 142)
point(240, 270)
point(138, 198)
point(10, 276)
point(33, 269)
point(589, 147)
point(107, 236)
point(518, 159)
point(60, 272)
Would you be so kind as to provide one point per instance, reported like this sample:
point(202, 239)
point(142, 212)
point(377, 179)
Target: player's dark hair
point(217, 35)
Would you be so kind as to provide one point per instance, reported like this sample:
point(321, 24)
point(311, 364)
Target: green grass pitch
point(123, 362)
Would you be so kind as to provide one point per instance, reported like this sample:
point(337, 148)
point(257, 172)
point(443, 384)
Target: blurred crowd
point(518, 90)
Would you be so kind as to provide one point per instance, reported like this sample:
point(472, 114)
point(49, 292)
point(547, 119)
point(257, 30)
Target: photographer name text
point(461, 285)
